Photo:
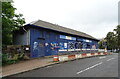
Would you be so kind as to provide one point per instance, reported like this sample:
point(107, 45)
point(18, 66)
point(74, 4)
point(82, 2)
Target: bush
point(8, 59)
point(13, 53)
point(4, 59)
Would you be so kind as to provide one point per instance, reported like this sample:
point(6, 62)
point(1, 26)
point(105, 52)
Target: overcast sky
point(94, 17)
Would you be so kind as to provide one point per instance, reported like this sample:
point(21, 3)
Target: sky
point(94, 17)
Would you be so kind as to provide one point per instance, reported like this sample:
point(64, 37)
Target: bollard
point(105, 53)
point(93, 54)
point(98, 53)
point(84, 55)
point(55, 58)
point(71, 57)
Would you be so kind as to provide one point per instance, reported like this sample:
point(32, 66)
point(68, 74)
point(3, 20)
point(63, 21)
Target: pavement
point(100, 66)
point(26, 66)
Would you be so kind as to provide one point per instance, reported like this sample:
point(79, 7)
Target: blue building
point(50, 39)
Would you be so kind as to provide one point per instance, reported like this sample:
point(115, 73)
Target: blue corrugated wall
point(46, 42)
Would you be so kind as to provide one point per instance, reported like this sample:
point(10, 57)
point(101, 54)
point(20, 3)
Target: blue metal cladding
point(62, 37)
point(53, 43)
point(73, 38)
point(95, 43)
point(37, 44)
point(62, 46)
point(45, 42)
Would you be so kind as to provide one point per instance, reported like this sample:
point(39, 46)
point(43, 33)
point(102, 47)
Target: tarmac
point(27, 65)
point(98, 66)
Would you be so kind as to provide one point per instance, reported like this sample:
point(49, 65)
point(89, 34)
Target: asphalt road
point(102, 66)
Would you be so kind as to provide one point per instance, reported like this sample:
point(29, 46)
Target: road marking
point(102, 57)
point(110, 59)
point(89, 68)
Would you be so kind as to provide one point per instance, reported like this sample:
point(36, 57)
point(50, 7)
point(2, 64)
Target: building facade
point(50, 39)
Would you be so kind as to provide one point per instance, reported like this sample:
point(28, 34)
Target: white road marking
point(89, 68)
point(102, 57)
point(110, 59)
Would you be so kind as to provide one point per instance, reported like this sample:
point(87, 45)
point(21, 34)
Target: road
point(102, 66)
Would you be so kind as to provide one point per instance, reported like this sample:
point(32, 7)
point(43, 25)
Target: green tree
point(117, 30)
point(10, 22)
point(111, 41)
point(100, 44)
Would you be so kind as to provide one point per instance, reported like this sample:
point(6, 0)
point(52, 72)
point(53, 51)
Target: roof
point(59, 28)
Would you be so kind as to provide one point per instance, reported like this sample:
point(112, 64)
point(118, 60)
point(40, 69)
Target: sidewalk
point(26, 65)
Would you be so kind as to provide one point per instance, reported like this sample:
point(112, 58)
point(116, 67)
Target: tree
point(100, 44)
point(10, 22)
point(111, 41)
point(117, 30)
